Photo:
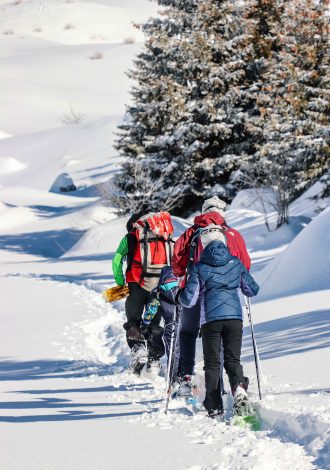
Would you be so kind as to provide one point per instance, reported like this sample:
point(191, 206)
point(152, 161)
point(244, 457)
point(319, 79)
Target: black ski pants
point(230, 332)
point(135, 304)
point(189, 329)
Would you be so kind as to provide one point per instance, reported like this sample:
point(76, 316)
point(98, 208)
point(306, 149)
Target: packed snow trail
point(73, 390)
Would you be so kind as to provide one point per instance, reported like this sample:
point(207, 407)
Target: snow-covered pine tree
point(152, 174)
point(294, 102)
point(224, 90)
point(216, 134)
point(190, 122)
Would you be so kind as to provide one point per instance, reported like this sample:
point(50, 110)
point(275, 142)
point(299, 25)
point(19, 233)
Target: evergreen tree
point(294, 103)
point(191, 113)
point(146, 137)
point(227, 94)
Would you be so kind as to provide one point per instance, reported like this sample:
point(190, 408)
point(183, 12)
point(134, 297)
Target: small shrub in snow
point(68, 27)
point(142, 191)
point(17, 2)
point(97, 55)
point(129, 41)
point(72, 117)
point(8, 32)
point(38, 29)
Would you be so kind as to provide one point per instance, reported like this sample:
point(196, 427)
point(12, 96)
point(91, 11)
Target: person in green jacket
point(136, 302)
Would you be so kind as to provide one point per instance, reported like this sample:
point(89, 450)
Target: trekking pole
point(255, 349)
point(171, 358)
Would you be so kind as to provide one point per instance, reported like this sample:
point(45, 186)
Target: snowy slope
point(304, 266)
point(45, 53)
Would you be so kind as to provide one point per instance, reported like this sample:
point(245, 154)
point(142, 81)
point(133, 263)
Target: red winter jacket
point(235, 243)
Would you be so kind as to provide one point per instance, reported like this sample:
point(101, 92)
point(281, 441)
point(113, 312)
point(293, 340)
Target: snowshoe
point(185, 388)
point(139, 357)
point(243, 413)
point(242, 406)
point(153, 366)
point(216, 414)
point(175, 386)
point(250, 421)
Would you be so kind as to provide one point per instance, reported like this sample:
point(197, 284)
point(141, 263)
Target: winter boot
point(139, 357)
point(185, 387)
point(176, 382)
point(242, 406)
point(216, 414)
point(153, 366)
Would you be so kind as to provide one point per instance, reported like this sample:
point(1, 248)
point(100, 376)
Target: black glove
point(144, 329)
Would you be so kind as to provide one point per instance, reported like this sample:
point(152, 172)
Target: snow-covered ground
point(67, 400)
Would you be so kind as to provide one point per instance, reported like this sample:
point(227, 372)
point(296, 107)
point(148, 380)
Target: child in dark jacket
point(214, 280)
point(163, 303)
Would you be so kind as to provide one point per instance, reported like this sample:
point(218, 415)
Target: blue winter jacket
point(215, 279)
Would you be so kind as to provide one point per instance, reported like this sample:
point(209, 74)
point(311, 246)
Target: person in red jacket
point(213, 218)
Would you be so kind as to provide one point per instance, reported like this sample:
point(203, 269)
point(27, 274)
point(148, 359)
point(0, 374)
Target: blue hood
point(216, 254)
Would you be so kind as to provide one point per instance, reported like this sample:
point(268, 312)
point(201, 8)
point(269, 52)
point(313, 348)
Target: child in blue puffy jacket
point(215, 280)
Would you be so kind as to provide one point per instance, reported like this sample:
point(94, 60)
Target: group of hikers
point(198, 275)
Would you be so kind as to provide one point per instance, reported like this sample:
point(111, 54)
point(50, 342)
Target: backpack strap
point(169, 251)
point(145, 253)
point(192, 247)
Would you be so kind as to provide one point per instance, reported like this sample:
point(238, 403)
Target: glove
point(144, 329)
point(150, 311)
point(115, 293)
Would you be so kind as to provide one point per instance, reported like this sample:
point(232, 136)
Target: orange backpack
point(153, 249)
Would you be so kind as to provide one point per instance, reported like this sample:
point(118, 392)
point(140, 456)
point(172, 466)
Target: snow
point(10, 165)
point(259, 200)
point(67, 399)
point(304, 266)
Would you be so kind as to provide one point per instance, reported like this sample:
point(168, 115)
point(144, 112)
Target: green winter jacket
point(117, 262)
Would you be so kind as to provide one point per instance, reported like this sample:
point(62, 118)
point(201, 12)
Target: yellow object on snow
point(115, 293)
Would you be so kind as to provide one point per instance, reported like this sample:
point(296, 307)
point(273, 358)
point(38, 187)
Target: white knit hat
point(214, 204)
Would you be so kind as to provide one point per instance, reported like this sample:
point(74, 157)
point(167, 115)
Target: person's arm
point(249, 287)
point(117, 262)
point(191, 292)
point(180, 258)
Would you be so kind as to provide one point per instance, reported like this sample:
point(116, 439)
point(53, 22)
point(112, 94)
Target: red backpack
point(153, 249)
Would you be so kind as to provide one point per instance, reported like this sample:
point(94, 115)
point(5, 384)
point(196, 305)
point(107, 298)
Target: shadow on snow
point(49, 244)
point(290, 335)
point(48, 369)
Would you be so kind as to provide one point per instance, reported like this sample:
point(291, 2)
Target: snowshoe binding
point(187, 390)
point(217, 415)
point(153, 366)
point(243, 413)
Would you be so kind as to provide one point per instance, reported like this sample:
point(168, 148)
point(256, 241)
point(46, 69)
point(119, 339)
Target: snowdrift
point(304, 266)
point(105, 238)
point(261, 200)
point(10, 165)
